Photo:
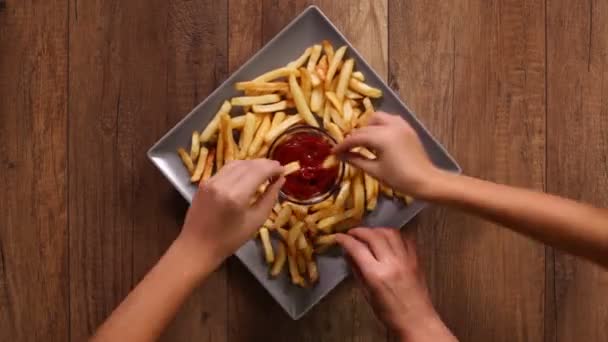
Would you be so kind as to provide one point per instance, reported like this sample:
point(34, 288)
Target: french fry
point(259, 136)
point(335, 117)
point(387, 191)
point(209, 165)
point(294, 233)
point(282, 217)
point(371, 192)
point(305, 84)
point(325, 204)
point(291, 168)
point(334, 131)
point(268, 251)
point(347, 115)
point(315, 53)
point(346, 224)
point(296, 278)
point(329, 162)
point(328, 239)
point(321, 68)
point(328, 49)
point(282, 127)
point(326, 223)
point(352, 95)
point(301, 60)
point(358, 196)
point(212, 127)
point(358, 75)
point(283, 233)
point(254, 100)
point(326, 114)
point(270, 108)
point(299, 210)
point(333, 66)
point(263, 151)
point(186, 159)
point(369, 111)
point(317, 97)
point(312, 219)
point(238, 122)
point(301, 243)
point(293, 220)
point(342, 194)
point(279, 261)
point(200, 165)
point(247, 135)
point(312, 271)
point(277, 73)
point(333, 99)
point(301, 263)
point(277, 119)
point(262, 87)
point(229, 145)
point(364, 89)
point(195, 146)
point(277, 208)
point(344, 78)
point(314, 79)
point(300, 102)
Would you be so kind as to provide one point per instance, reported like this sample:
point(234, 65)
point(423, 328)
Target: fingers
point(367, 165)
point(358, 252)
point(362, 137)
point(376, 240)
point(394, 239)
point(380, 118)
point(248, 175)
point(269, 198)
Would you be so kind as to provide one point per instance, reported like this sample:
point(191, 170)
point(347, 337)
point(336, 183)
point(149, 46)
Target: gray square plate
point(310, 27)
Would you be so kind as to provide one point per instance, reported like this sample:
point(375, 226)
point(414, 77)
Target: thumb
point(268, 198)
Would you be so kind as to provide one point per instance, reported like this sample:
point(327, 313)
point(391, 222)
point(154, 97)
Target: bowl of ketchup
point(310, 146)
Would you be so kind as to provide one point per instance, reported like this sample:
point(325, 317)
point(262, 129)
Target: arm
point(577, 228)
point(219, 221)
point(403, 164)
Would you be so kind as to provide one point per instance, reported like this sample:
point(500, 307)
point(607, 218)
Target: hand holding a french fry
point(401, 161)
point(226, 210)
point(387, 268)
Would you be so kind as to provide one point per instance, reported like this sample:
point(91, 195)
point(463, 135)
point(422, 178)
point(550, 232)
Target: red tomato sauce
point(310, 150)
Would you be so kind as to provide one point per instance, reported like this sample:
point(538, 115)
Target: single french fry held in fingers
point(291, 168)
point(330, 161)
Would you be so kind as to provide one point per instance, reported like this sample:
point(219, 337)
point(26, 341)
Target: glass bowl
point(306, 131)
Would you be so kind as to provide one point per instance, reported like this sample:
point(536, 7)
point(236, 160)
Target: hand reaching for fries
point(222, 217)
point(401, 161)
point(387, 268)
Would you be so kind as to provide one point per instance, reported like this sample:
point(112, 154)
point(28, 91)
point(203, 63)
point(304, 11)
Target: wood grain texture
point(473, 71)
point(34, 275)
point(577, 102)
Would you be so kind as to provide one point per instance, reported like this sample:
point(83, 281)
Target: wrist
point(194, 258)
point(436, 185)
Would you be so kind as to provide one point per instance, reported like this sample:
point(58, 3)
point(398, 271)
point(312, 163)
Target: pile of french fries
point(319, 88)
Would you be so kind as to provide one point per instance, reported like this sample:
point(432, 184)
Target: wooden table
point(516, 89)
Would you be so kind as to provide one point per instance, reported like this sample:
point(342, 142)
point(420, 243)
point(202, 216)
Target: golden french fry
point(293, 220)
point(343, 194)
point(333, 99)
point(334, 131)
point(294, 233)
point(291, 168)
point(305, 84)
point(186, 159)
point(200, 165)
point(314, 79)
point(212, 127)
point(364, 89)
point(321, 214)
point(358, 75)
point(263, 151)
point(279, 261)
point(346, 224)
point(302, 244)
point(277, 208)
point(269, 223)
point(229, 145)
point(335, 117)
point(317, 97)
point(326, 113)
point(312, 271)
point(315, 53)
point(328, 49)
point(247, 135)
point(296, 278)
point(347, 115)
point(269, 87)
point(352, 95)
point(358, 196)
point(277, 119)
point(326, 223)
point(282, 216)
point(333, 66)
point(270, 108)
point(195, 146)
point(329, 162)
point(321, 68)
point(299, 210)
point(369, 111)
point(219, 151)
point(301, 263)
point(209, 165)
point(301, 60)
point(277, 73)
point(371, 192)
point(238, 122)
point(387, 191)
point(344, 78)
point(328, 239)
point(283, 233)
point(323, 205)
point(254, 100)
point(282, 127)
point(301, 103)
point(259, 136)
point(268, 251)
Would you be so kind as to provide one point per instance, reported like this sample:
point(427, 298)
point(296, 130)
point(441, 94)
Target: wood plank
point(577, 103)
point(473, 71)
point(34, 271)
point(344, 314)
point(136, 68)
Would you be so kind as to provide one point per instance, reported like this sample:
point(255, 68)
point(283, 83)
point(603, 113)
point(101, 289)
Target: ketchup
point(310, 150)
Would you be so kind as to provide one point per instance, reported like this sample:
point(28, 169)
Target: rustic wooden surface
point(516, 89)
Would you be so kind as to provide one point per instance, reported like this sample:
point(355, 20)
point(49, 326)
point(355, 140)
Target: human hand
point(221, 217)
point(387, 267)
point(401, 162)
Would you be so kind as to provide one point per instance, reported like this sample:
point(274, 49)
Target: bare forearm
point(149, 308)
point(574, 227)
